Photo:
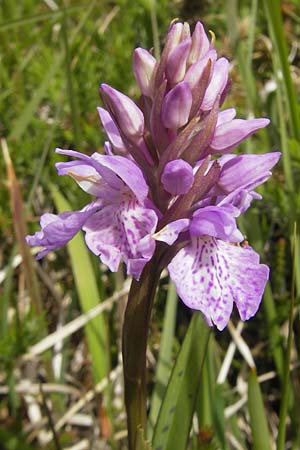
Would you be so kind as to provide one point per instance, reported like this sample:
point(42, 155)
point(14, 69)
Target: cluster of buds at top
point(169, 175)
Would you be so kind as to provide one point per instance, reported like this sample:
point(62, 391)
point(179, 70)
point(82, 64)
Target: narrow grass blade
point(210, 403)
point(258, 420)
point(86, 285)
point(273, 9)
point(17, 209)
point(6, 295)
point(175, 417)
point(286, 373)
point(44, 154)
point(154, 25)
point(243, 51)
point(69, 77)
point(39, 17)
point(165, 355)
point(27, 114)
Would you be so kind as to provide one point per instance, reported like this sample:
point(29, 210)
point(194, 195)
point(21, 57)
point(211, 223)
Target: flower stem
point(135, 335)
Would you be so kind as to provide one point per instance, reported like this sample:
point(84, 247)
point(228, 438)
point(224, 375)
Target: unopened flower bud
point(144, 66)
point(176, 106)
point(200, 44)
point(128, 116)
point(217, 84)
point(176, 63)
point(177, 177)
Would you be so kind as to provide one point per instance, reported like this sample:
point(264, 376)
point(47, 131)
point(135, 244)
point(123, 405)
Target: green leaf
point(258, 420)
point(86, 285)
point(141, 443)
point(174, 421)
point(210, 401)
point(164, 363)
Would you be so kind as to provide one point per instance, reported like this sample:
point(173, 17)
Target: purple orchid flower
point(169, 175)
point(118, 224)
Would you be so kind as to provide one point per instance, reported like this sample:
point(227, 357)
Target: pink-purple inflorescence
point(169, 175)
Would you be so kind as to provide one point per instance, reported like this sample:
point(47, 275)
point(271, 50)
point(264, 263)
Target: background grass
point(53, 56)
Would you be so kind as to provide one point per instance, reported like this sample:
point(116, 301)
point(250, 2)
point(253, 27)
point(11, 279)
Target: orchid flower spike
point(170, 175)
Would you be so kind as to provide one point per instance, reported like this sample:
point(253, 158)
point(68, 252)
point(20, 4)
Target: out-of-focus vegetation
point(54, 359)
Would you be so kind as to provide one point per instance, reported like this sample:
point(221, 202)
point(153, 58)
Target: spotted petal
point(210, 275)
point(58, 230)
point(118, 232)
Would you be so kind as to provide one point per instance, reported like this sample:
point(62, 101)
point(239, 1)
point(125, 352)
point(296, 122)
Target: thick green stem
point(135, 335)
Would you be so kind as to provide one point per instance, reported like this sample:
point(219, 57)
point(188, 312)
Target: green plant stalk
point(286, 158)
point(154, 27)
point(134, 346)
point(286, 373)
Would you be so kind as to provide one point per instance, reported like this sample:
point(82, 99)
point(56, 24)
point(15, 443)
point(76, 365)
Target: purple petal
point(240, 199)
point(144, 65)
point(246, 171)
point(175, 34)
point(230, 134)
point(117, 232)
point(176, 106)
point(226, 116)
point(174, 37)
point(128, 116)
point(195, 72)
point(57, 230)
point(209, 275)
point(111, 129)
point(176, 63)
point(216, 221)
point(217, 83)
point(127, 170)
point(177, 177)
point(106, 173)
point(200, 43)
point(108, 148)
point(85, 175)
point(170, 232)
